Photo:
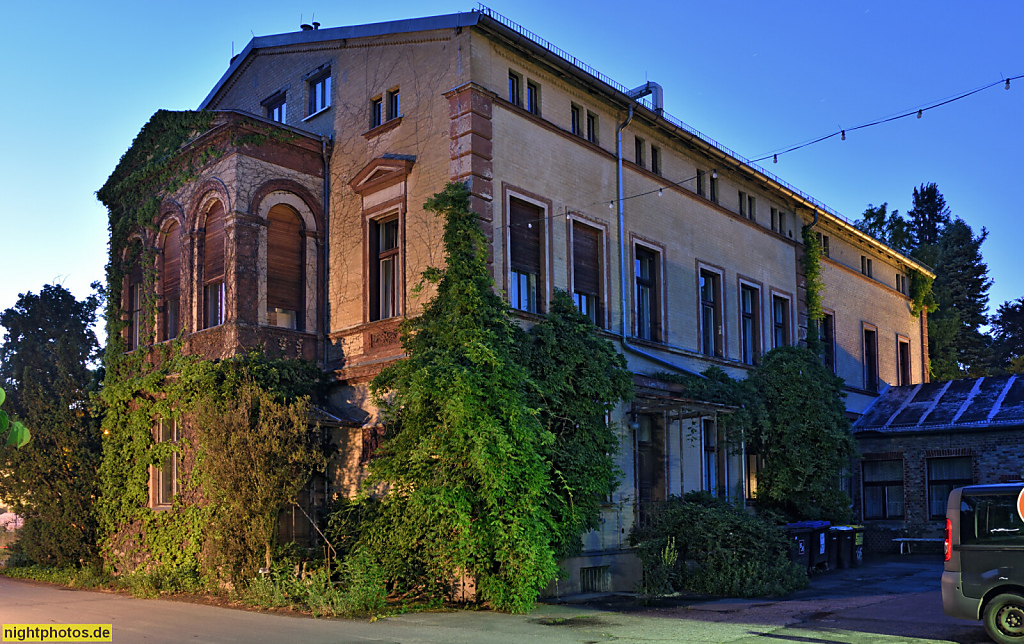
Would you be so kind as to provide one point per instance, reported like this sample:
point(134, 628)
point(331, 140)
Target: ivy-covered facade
point(287, 215)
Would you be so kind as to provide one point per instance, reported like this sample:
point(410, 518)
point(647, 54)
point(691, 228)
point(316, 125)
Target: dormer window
point(320, 92)
point(276, 108)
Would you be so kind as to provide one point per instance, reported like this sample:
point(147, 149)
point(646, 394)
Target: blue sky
point(80, 79)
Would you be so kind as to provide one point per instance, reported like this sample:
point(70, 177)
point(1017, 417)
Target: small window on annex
point(945, 474)
point(275, 108)
point(170, 273)
point(883, 489)
point(213, 268)
point(586, 271)
point(526, 245)
point(285, 268)
point(385, 272)
point(164, 477)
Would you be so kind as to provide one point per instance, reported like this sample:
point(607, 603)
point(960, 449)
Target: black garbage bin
point(845, 546)
point(799, 543)
point(857, 545)
point(813, 537)
point(832, 548)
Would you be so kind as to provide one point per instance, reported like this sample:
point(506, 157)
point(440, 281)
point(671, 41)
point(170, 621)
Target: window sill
point(315, 114)
point(382, 128)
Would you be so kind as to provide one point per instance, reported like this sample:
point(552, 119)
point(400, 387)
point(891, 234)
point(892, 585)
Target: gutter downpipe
point(324, 307)
point(622, 266)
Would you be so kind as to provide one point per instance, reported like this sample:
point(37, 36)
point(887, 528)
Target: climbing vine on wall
point(814, 283)
point(921, 296)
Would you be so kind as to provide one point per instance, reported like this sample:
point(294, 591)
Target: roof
point(523, 38)
point(968, 405)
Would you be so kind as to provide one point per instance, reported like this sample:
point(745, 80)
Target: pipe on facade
point(623, 338)
point(324, 307)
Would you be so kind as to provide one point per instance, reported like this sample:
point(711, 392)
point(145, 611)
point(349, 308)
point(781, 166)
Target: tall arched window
point(170, 273)
point(285, 268)
point(213, 268)
point(134, 301)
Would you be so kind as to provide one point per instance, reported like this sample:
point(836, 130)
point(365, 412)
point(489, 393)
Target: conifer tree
point(1008, 336)
point(465, 478)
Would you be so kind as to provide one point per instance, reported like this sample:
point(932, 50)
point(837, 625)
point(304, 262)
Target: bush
point(710, 547)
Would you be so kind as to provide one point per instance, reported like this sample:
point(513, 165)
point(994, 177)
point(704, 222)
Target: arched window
point(285, 268)
point(213, 268)
point(170, 272)
point(134, 301)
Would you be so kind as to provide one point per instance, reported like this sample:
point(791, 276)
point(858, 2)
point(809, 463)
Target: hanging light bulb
point(1007, 83)
point(844, 135)
point(919, 113)
point(659, 192)
point(611, 204)
point(714, 174)
point(775, 158)
point(529, 224)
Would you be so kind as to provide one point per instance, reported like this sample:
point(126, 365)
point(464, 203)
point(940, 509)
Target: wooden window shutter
point(285, 264)
point(213, 246)
point(525, 225)
point(171, 270)
point(586, 262)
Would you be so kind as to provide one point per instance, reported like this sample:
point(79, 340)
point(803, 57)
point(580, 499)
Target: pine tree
point(929, 216)
point(1008, 336)
point(467, 484)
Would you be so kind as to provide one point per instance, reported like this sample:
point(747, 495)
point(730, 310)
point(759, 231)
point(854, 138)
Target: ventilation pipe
point(655, 90)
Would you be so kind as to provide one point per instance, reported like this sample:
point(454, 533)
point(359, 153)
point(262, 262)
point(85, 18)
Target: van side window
point(991, 520)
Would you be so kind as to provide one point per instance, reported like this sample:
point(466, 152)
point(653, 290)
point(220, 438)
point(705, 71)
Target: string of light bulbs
point(774, 156)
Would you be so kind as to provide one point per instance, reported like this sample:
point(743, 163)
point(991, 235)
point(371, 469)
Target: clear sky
point(79, 79)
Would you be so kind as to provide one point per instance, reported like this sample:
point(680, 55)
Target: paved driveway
point(895, 600)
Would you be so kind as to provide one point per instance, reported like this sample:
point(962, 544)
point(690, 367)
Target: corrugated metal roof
point(977, 403)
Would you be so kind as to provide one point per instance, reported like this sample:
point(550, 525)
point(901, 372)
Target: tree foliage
point(580, 377)
point(1008, 336)
point(929, 216)
point(887, 227)
point(804, 438)
point(44, 368)
point(467, 484)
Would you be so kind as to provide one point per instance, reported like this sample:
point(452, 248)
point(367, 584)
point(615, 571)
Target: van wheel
point(1004, 619)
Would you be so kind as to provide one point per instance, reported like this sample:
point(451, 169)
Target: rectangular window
point(276, 108)
point(526, 225)
point(376, 112)
point(755, 463)
point(384, 274)
point(713, 187)
point(714, 459)
point(320, 93)
point(865, 266)
point(775, 219)
point(136, 312)
point(883, 489)
point(945, 474)
point(870, 360)
point(394, 104)
point(533, 98)
point(575, 120)
point(711, 313)
point(648, 319)
point(828, 339)
point(903, 361)
point(823, 242)
point(700, 183)
point(901, 284)
point(655, 160)
point(638, 148)
point(171, 318)
point(514, 88)
point(750, 327)
point(780, 321)
point(743, 204)
point(591, 127)
point(752, 208)
point(166, 474)
point(586, 271)
point(214, 299)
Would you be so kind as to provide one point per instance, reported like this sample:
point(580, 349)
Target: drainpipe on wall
point(324, 307)
point(638, 92)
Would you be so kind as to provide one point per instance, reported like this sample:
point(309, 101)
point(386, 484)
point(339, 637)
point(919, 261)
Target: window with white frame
point(750, 323)
point(781, 325)
point(276, 108)
point(711, 332)
point(165, 475)
point(515, 84)
point(319, 92)
point(648, 285)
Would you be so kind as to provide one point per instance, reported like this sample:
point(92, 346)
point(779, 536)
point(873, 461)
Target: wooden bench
point(906, 542)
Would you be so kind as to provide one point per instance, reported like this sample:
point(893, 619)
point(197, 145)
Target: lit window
point(165, 475)
point(384, 287)
point(320, 93)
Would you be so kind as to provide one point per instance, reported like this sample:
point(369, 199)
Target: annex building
point(305, 233)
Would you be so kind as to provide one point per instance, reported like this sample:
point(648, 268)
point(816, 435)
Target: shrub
point(714, 548)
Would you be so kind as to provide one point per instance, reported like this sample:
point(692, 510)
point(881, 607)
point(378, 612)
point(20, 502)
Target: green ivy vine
point(921, 296)
point(814, 283)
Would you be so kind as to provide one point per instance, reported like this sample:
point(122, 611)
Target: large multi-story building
point(305, 233)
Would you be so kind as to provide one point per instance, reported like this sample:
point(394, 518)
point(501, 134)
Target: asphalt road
point(895, 600)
